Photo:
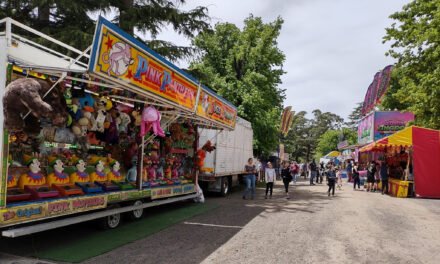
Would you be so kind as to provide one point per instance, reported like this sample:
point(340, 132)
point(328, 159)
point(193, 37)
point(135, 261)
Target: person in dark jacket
point(287, 177)
point(384, 177)
point(331, 179)
point(371, 171)
point(356, 178)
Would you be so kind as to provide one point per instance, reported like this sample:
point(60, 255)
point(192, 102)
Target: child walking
point(339, 177)
point(270, 179)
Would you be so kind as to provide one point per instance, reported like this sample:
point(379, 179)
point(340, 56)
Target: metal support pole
point(141, 164)
point(3, 139)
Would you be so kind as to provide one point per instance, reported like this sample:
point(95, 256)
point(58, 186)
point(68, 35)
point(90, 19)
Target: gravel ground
point(351, 227)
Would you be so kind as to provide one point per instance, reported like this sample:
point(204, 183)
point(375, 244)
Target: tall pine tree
point(70, 21)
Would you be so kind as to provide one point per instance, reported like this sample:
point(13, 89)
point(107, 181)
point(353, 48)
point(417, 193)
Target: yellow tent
point(333, 154)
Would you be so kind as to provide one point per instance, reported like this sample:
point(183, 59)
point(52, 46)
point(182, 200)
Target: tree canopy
point(71, 23)
point(329, 140)
point(245, 67)
point(415, 84)
point(302, 140)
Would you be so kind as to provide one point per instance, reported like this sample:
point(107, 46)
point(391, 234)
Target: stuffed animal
point(151, 120)
point(88, 113)
point(105, 103)
point(137, 118)
point(26, 94)
point(201, 153)
point(100, 120)
point(64, 135)
point(87, 100)
point(176, 132)
point(122, 121)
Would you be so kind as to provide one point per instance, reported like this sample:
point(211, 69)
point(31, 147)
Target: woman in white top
point(270, 179)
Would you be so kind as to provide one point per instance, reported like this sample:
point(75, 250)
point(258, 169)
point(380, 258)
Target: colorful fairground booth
point(413, 159)
point(84, 130)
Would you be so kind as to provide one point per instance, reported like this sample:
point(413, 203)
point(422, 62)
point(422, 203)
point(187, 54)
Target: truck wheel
point(110, 221)
point(136, 214)
point(225, 186)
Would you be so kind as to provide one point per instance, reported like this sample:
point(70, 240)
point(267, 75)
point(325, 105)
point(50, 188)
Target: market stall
point(85, 133)
point(413, 158)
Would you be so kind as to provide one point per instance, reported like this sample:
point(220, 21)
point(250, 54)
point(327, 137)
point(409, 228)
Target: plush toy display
point(80, 175)
point(60, 180)
point(24, 95)
point(33, 177)
point(151, 120)
point(57, 176)
point(114, 174)
point(98, 175)
point(15, 194)
point(34, 181)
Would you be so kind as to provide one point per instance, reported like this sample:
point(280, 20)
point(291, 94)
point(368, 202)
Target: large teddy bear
point(24, 95)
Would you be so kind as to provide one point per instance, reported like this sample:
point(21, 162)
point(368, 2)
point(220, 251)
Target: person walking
point(349, 171)
point(270, 179)
point(371, 171)
point(287, 177)
point(249, 179)
point(384, 177)
point(331, 179)
point(304, 169)
point(294, 170)
point(339, 177)
point(356, 178)
point(313, 170)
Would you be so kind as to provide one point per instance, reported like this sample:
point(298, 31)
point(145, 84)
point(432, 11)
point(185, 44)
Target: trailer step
point(27, 230)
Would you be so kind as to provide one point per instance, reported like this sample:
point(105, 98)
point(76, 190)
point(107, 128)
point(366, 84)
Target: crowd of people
point(290, 172)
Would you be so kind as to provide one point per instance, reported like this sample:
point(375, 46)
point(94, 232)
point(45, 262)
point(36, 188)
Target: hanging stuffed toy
point(151, 119)
point(201, 153)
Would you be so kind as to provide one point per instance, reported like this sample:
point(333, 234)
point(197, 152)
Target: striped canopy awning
point(401, 138)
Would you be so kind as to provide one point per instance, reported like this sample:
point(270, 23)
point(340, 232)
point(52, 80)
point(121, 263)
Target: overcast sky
point(333, 48)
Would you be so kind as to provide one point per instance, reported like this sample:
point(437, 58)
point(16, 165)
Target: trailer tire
point(225, 186)
point(136, 214)
point(110, 221)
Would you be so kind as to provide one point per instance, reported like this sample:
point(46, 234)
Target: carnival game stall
point(117, 123)
point(413, 158)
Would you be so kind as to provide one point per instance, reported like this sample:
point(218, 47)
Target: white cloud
point(333, 48)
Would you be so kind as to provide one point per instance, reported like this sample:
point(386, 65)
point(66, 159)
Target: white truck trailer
point(223, 166)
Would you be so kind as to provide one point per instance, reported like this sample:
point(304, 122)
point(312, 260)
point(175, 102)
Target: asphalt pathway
point(351, 227)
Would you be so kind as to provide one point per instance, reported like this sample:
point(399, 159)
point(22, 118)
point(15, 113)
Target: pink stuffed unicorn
point(151, 119)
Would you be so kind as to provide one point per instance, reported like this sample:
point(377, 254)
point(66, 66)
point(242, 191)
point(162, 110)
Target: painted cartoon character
point(57, 176)
point(119, 58)
point(205, 103)
point(33, 177)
